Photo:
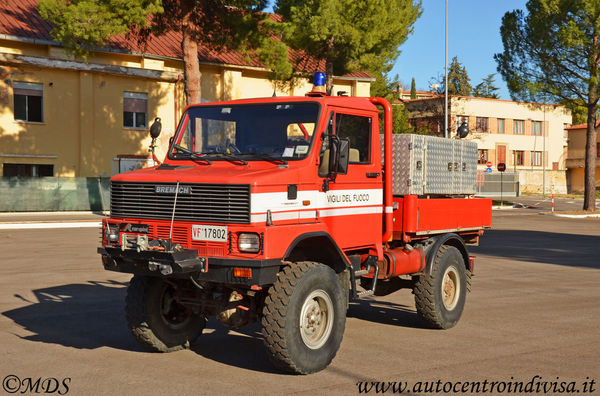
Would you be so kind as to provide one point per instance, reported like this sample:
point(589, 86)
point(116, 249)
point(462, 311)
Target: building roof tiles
point(20, 18)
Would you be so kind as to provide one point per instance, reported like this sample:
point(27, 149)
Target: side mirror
point(339, 156)
point(343, 159)
point(155, 128)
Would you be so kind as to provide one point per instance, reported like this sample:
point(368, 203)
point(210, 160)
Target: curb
point(581, 216)
point(70, 213)
point(46, 225)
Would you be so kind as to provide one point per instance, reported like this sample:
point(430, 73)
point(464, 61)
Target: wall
point(54, 194)
point(533, 181)
point(82, 130)
point(576, 160)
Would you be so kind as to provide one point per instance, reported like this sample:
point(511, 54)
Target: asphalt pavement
point(533, 316)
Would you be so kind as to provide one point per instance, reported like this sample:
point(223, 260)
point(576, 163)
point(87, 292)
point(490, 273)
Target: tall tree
point(487, 88)
point(554, 52)
point(348, 34)
point(217, 24)
point(413, 89)
point(459, 82)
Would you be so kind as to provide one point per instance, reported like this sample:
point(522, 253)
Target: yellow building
point(61, 116)
point(576, 158)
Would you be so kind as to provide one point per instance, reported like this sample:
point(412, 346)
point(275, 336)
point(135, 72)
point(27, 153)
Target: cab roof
point(354, 102)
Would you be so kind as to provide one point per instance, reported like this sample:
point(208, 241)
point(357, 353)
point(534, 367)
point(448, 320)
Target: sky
point(473, 36)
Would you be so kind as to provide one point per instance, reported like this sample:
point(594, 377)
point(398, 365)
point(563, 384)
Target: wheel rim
point(450, 288)
point(316, 319)
point(173, 314)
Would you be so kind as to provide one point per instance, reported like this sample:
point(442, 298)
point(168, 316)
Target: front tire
point(440, 297)
point(155, 318)
point(304, 317)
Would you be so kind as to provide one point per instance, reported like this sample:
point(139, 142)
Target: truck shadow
point(84, 316)
point(91, 315)
point(241, 348)
point(384, 312)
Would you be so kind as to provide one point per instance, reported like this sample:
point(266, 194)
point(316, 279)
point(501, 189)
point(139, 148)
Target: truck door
point(354, 201)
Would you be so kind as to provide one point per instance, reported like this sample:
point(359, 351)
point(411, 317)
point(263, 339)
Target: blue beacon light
point(319, 83)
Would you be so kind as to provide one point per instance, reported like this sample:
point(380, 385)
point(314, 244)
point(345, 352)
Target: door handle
point(372, 175)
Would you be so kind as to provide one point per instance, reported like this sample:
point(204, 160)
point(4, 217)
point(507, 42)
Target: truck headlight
point(248, 242)
point(112, 233)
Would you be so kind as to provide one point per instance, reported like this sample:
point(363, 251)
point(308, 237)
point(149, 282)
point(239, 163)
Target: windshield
point(248, 132)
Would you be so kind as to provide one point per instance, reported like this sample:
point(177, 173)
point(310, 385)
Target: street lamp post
point(544, 151)
point(446, 76)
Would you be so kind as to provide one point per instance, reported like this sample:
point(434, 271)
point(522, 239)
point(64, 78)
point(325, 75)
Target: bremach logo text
point(171, 190)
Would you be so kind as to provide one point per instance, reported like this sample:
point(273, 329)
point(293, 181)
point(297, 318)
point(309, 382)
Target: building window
point(461, 119)
point(28, 101)
point(481, 124)
point(536, 128)
point(27, 170)
point(518, 128)
point(536, 158)
point(135, 108)
point(500, 125)
point(483, 157)
point(519, 157)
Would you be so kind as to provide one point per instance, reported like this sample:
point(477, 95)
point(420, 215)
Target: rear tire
point(440, 297)
point(156, 320)
point(304, 317)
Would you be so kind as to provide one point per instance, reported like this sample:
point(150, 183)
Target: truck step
point(355, 276)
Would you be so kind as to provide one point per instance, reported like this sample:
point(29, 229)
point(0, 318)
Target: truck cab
point(281, 210)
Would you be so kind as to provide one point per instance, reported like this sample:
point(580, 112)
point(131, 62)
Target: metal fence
point(498, 184)
point(36, 194)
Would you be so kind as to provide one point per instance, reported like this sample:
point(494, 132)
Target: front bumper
point(186, 263)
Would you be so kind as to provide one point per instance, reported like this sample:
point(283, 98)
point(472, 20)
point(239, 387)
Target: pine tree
point(348, 34)
point(553, 53)
point(459, 82)
point(486, 88)
point(217, 24)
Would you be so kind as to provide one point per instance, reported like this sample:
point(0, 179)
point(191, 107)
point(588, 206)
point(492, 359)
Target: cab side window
point(357, 129)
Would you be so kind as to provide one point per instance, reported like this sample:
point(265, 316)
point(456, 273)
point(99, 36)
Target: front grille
point(206, 203)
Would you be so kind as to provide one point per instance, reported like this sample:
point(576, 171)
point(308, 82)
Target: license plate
point(211, 233)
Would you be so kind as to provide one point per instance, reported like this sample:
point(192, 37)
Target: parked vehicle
point(281, 210)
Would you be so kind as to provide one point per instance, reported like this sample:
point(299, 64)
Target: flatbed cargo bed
point(417, 217)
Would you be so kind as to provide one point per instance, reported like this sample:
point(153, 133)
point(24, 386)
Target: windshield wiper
point(193, 155)
point(229, 157)
point(267, 157)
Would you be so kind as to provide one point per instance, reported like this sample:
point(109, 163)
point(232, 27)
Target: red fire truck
point(281, 210)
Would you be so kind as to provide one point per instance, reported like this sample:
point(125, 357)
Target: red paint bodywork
point(400, 219)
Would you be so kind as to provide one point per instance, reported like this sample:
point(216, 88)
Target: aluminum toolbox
point(424, 165)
